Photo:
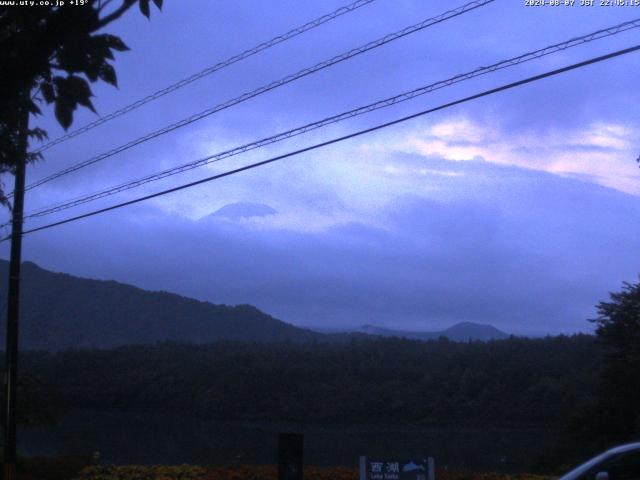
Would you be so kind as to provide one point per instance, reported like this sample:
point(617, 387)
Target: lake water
point(143, 438)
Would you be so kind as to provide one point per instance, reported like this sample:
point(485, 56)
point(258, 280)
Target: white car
point(619, 463)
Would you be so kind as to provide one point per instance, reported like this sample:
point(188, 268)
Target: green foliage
point(61, 311)
point(514, 382)
point(618, 330)
point(51, 54)
point(138, 472)
point(618, 324)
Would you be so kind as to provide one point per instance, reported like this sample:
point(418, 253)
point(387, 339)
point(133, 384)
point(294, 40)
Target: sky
point(518, 210)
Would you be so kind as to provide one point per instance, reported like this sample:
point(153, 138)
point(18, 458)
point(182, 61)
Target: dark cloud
point(165, 50)
point(525, 251)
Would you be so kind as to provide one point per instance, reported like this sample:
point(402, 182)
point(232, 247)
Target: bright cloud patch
point(600, 152)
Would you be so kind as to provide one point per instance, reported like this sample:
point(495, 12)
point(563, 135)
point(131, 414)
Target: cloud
point(597, 151)
point(518, 210)
point(526, 251)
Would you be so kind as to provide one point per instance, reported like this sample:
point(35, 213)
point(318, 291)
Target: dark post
point(13, 301)
point(290, 456)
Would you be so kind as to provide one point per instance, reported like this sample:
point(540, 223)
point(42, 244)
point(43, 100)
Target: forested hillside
point(60, 311)
point(515, 382)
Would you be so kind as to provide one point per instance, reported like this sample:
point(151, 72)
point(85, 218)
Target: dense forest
point(61, 312)
point(550, 385)
point(514, 382)
point(580, 391)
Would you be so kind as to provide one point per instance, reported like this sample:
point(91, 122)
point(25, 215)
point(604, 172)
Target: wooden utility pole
point(13, 297)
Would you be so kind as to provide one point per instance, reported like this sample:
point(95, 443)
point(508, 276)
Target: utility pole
point(13, 295)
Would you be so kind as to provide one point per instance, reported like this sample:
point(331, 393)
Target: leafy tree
point(51, 54)
point(515, 383)
point(618, 329)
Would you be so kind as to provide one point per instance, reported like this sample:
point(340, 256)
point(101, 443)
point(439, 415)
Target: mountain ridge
point(61, 311)
point(460, 332)
point(240, 210)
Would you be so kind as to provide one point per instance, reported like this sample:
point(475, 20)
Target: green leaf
point(48, 92)
point(38, 134)
point(64, 113)
point(144, 8)
point(93, 71)
point(34, 156)
point(100, 48)
point(34, 109)
point(73, 56)
point(86, 102)
point(79, 91)
point(59, 83)
point(158, 4)
point(77, 86)
point(72, 91)
point(108, 74)
point(112, 42)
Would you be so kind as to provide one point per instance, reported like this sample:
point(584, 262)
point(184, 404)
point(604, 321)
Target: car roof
point(579, 470)
point(624, 448)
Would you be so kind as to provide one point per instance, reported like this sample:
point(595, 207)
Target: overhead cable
point(526, 57)
point(485, 93)
point(265, 88)
point(209, 70)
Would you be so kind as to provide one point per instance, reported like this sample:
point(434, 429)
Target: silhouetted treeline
point(514, 382)
point(60, 311)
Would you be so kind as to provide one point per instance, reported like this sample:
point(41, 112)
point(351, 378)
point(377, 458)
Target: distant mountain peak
point(239, 210)
point(460, 332)
point(474, 331)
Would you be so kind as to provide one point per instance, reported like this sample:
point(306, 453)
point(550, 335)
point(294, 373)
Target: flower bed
point(259, 472)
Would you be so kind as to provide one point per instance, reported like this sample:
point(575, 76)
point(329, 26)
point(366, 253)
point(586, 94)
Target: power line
point(343, 138)
point(573, 42)
point(265, 88)
point(209, 70)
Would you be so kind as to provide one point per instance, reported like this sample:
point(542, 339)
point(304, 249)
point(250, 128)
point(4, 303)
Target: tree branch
point(126, 5)
point(104, 4)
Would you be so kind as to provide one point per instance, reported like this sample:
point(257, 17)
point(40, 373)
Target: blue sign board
point(377, 468)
